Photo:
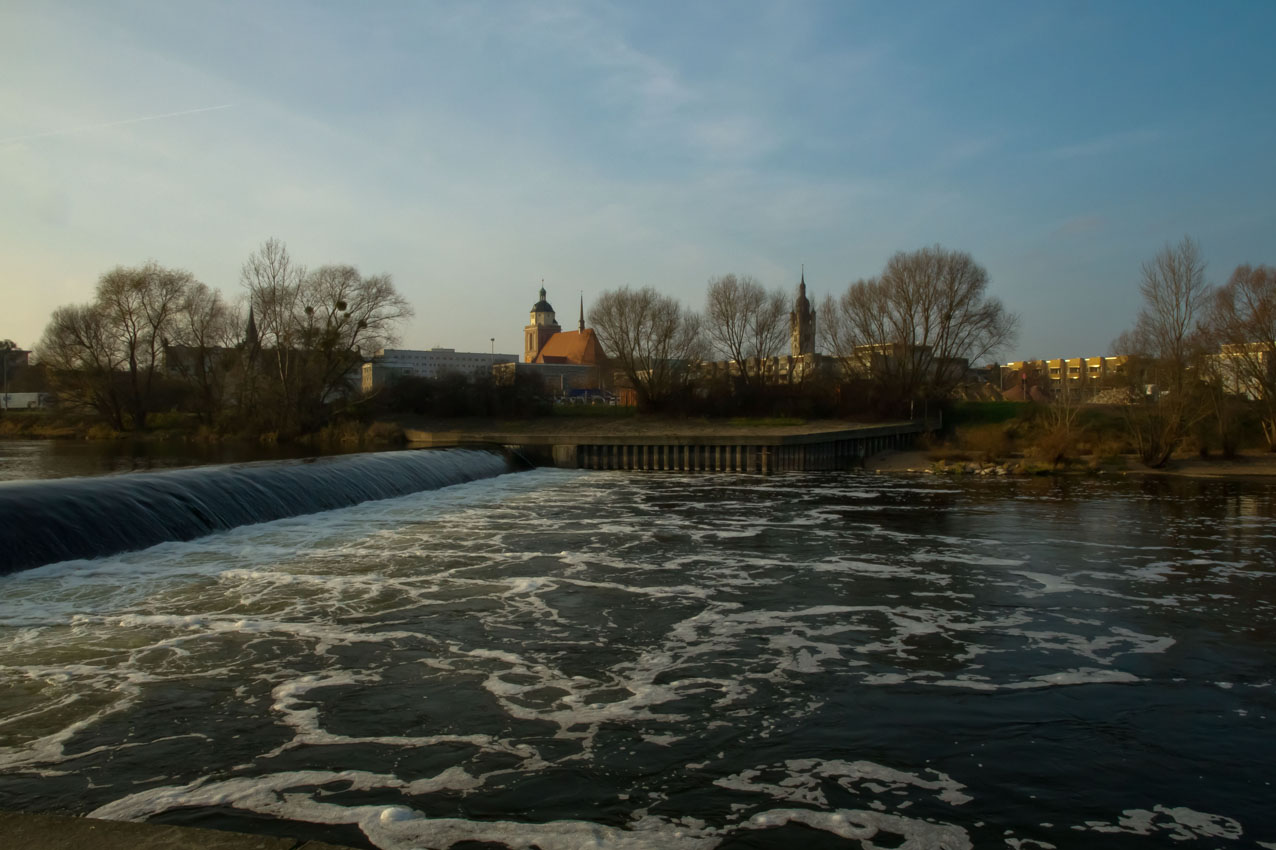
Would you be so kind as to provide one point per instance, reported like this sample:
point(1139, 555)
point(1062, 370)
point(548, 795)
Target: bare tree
point(139, 306)
point(745, 323)
point(108, 354)
point(1175, 298)
point(1165, 342)
point(273, 282)
point(345, 315)
point(651, 337)
point(1243, 321)
point(84, 360)
point(912, 329)
point(203, 347)
point(314, 327)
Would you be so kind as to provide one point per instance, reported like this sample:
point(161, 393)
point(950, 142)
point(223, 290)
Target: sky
point(472, 150)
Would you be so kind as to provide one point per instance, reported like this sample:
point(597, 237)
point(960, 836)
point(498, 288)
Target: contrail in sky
point(64, 132)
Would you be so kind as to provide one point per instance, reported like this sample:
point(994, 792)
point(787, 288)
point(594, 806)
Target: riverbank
point(1253, 464)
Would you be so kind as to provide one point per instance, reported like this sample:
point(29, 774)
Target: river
point(568, 659)
point(28, 459)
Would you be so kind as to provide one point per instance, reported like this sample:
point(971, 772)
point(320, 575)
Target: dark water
point(573, 660)
point(31, 459)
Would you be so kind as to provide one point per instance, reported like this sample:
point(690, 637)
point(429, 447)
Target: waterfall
point(43, 522)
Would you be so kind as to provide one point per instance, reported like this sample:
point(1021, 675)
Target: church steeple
point(251, 340)
point(802, 322)
point(582, 312)
point(540, 328)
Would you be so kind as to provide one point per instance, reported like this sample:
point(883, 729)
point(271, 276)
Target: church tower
point(539, 329)
point(802, 323)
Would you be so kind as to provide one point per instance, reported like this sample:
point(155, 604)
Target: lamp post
point(5, 352)
point(493, 346)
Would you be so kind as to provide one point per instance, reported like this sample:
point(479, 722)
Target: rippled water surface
point(569, 660)
point(22, 460)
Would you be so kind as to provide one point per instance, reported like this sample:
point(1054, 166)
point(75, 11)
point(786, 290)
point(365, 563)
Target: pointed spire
point(250, 332)
point(582, 312)
point(802, 284)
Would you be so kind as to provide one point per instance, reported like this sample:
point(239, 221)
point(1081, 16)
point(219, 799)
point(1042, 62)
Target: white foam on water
point(368, 578)
point(575, 712)
point(391, 827)
point(399, 826)
point(798, 781)
point(307, 725)
point(1103, 649)
point(863, 826)
point(1178, 823)
point(655, 834)
point(927, 556)
point(70, 699)
point(1049, 583)
point(1063, 678)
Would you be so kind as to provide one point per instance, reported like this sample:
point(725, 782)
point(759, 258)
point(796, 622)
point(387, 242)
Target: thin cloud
point(1102, 145)
point(86, 127)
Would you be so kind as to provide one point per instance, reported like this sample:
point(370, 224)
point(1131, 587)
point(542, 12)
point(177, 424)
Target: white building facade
point(431, 363)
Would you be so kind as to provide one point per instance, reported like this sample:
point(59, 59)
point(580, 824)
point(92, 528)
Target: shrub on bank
point(1055, 446)
point(102, 432)
point(384, 433)
point(987, 442)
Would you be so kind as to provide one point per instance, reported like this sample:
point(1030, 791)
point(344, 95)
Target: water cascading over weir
point(43, 522)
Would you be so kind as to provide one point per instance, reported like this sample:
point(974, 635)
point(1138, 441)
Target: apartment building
point(1080, 376)
point(431, 363)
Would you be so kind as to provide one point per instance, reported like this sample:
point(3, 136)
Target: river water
point(27, 459)
point(567, 659)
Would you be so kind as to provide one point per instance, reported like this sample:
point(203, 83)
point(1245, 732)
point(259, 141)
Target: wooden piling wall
point(800, 453)
point(762, 453)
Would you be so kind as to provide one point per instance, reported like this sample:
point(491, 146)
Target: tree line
point(899, 336)
point(1201, 357)
point(278, 360)
point(280, 357)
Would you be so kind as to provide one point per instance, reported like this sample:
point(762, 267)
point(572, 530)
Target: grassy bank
point(1045, 437)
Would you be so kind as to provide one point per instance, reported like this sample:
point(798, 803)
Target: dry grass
point(988, 443)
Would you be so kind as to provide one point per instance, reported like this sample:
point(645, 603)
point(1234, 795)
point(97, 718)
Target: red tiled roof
point(579, 347)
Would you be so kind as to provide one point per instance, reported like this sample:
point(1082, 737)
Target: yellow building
point(1081, 376)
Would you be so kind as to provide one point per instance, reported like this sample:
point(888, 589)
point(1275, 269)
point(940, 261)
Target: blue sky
point(472, 149)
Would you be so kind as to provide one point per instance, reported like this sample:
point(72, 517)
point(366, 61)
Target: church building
point(544, 340)
point(568, 363)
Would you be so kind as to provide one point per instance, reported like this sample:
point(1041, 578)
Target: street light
point(4, 352)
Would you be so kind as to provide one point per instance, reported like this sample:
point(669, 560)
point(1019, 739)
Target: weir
point(763, 452)
point(813, 453)
point(43, 522)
